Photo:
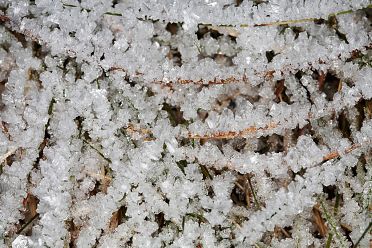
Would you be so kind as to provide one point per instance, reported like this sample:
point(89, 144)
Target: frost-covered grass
point(185, 123)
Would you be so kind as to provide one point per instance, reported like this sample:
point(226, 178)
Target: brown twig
point(144, 133)
point(336, 154)
point(327, 157)
point(215, 81)
point(233, 134)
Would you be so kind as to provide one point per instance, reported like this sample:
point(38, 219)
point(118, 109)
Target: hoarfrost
point(185, 123)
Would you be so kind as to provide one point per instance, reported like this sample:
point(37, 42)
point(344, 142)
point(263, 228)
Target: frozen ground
point(204, 123)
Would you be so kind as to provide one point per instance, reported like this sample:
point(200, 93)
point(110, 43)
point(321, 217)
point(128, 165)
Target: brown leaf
point(30, 205)
point(4, 18)
point(281, 233)
point(279, 88)
point(321, 80)
point(369, 108)
point(105, 180)
point(114, 221)
point(30, 214)
point(319, 221)
point(74, 233)
point(116, 218)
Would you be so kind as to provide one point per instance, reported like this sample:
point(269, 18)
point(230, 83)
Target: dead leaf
point(319, 221)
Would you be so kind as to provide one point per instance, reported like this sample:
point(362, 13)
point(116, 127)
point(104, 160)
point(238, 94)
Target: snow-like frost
point(207, 123)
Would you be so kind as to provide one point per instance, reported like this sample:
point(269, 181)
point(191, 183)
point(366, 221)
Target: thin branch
point(216, 81)
point(233, 134)
point(288, 22)
point(336, 154)
point(276, 23)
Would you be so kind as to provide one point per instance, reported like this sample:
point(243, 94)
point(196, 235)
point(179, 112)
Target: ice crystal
point(206, 123)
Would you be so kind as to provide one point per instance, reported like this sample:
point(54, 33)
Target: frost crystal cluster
point(173, 123)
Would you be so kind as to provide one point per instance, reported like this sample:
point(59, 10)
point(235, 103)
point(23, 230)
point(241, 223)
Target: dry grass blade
point(255, 198)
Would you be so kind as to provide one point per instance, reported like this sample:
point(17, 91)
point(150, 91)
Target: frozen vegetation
point(174, 123)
